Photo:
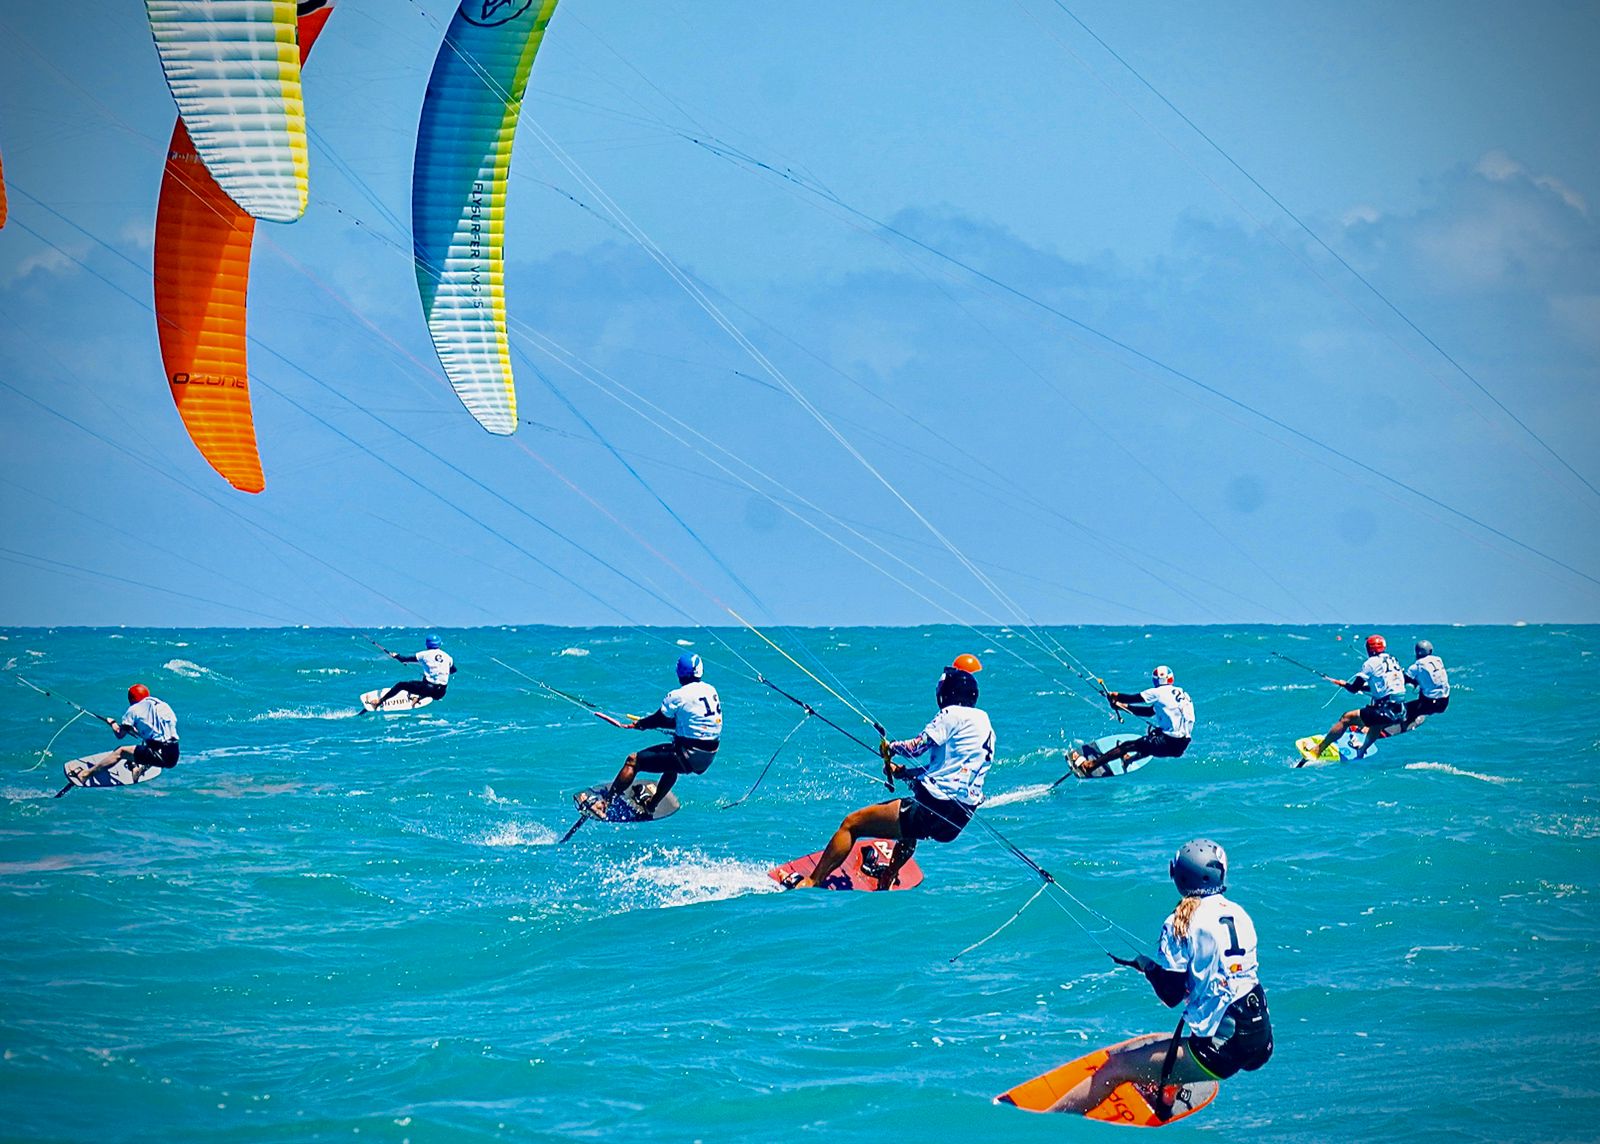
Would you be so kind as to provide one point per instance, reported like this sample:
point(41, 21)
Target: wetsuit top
point(1429, 677)
point(1218, 958)
point(962, 742)
point(693, 711)
point(1382, 676)
point(1173, 710)
point(151, 720)
point(437, 666)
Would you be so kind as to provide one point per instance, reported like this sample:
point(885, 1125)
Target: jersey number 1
point(1235, 949)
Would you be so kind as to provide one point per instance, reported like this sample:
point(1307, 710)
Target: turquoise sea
point(331, 927)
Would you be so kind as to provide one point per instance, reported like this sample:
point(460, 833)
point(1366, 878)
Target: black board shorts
point(1380, 715)
point(925, 816)
point(1160, 745)
point(679, 757)
point(1422, 705)
point(1248, 1043)
point(155, 753)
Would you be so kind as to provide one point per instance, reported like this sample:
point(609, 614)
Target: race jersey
point(1219, 956)
point(695, 710)
point(1429, 675)
point(1174, 710)
point(1383, 677)
point(152, 720)
point(435, 666)
point(962, 742)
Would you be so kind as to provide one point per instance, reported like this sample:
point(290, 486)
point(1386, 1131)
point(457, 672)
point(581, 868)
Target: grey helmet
point(1199, 868)
point(1424, 648)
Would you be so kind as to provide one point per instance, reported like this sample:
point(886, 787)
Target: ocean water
point(324, 926)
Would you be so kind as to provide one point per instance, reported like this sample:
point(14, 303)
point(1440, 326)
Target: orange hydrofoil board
point(1128, 1103)
point(858, 871)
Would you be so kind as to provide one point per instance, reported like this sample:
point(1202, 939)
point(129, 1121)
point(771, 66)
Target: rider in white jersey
point(1432, 682)
point(945, 791)
point(1171, 712)
point(1382, 677)
point(156, 726)
point(1208, 964)
point(692, 711)
point(437, 668)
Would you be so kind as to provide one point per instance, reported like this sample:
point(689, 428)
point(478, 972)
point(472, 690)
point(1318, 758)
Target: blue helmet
point(1199, 868)
point(690, 667)
point(431, 643)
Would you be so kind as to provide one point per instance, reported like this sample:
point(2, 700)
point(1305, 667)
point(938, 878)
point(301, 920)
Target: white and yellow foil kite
point(458, 196)
point(234, 70)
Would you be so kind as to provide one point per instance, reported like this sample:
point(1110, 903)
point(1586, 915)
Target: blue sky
point(1099, 371)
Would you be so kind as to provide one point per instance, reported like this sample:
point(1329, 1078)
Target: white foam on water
point(16, 794)
point(187, 668)
point(573, 651)
point(306, 713)
point(1446, 768)
point(1021, 794)
point(672, 877)
point(519, 834)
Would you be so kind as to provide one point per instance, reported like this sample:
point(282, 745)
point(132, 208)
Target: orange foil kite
point(202, 271)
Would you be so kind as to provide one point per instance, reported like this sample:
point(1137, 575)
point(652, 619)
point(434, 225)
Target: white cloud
point(1499, 167)
point(48, 261)
point(1492, 226)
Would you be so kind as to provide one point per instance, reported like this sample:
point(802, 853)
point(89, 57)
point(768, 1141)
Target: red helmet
point(968, 663)
point(138, 692)
point(1375, 644)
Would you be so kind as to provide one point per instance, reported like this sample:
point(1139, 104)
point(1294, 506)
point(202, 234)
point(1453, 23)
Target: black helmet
point(1199, 868)
point(1424, 649)
point(956, 688)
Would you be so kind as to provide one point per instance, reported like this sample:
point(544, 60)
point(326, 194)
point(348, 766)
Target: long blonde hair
point(1182, 916)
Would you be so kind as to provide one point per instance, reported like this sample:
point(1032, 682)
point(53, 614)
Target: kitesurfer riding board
point(437, 668)
point(1169, 735)
point(1381, 677)
point(869, 858)
point(692, 711)
point(148, 719)
point(945, 793)
point(1207, 963)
